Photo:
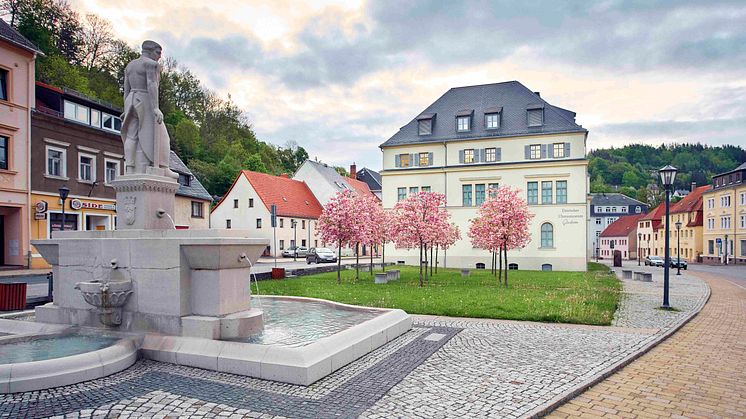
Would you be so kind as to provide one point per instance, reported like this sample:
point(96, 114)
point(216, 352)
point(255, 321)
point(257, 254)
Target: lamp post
point(64, 192)
point(725, 244)
point(678, 247)
point(294, 224)
point(668, 173)
point(639, 245)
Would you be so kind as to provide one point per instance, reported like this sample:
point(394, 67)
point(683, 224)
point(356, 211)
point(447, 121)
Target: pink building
point(17, 57)
point(620, 235)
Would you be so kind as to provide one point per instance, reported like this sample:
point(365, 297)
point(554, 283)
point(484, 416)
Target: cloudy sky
point(341, 77)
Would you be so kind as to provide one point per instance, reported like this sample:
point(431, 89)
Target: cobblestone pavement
point(699, 372)
point(443, 367)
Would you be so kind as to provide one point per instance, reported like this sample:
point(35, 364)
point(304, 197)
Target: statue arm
point(151, 72)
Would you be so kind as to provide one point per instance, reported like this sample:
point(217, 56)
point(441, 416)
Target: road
point(736, 274)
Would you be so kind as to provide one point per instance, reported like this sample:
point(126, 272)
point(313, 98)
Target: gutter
point(30, 77)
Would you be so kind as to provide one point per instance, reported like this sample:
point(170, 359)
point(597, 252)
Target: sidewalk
point(699, 371)
point(23, 272)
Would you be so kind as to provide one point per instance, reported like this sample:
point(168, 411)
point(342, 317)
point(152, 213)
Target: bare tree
point(97, 42)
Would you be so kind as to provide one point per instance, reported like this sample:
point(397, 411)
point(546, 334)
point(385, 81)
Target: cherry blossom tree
point(451, 236)
point(340, 222)
point(418, 221)
point(375, 225)
point(501, 225)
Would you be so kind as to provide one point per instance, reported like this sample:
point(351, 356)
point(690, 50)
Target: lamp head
point(678, 225)
point(64, 192)
point(668, 174)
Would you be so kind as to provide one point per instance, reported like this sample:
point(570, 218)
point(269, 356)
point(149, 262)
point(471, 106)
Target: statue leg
point(131, 145)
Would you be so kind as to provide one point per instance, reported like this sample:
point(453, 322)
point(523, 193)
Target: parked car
point(677, 262)
point(320, 254)
point(654, 261)
point(293, 251)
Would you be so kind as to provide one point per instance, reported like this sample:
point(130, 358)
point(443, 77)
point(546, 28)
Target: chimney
point(694, 186)
point(285, 175)
point(537, 94)
point(353, 171)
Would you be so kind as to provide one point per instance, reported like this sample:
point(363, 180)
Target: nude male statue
point(146, 142)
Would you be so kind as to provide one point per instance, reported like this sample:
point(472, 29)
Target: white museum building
point(479, 137)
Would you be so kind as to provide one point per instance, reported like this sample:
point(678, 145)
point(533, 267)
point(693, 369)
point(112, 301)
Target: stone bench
point(626, 273)
point(646, 277)
point(465, 273)
point(392, 274)
point(381, 278)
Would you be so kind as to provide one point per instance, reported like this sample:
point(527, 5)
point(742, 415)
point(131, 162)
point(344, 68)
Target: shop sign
point(40, 216)
point(571, 216)
point(77, 204)
point(41, 207)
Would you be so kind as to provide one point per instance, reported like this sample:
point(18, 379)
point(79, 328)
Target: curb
point(556, 402)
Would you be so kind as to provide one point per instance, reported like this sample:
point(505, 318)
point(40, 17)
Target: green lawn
point(567, 297)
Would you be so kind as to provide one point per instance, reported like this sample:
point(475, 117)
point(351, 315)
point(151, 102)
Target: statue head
point(152, 49)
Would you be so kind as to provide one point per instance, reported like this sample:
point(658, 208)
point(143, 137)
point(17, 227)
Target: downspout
point(31, 77)
point(445, 191)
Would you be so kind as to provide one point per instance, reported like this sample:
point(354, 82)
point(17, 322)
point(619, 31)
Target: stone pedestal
point(145, 201)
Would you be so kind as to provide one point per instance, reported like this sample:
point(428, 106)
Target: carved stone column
point(145, 202)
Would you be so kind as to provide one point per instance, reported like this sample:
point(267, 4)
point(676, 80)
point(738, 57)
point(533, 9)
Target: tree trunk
point(420, 263)
point(431, 261)
point(383, 257)
point(371, 259)
point(500, 274)
point(357, 261)
point(437, 249)
point(426, 277)
point(339, 262)
point(505, 250)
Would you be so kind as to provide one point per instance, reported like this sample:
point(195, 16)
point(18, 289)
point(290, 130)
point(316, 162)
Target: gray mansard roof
point(614, 199)
point(195, 188)
point(14, 37)
point(511, 99)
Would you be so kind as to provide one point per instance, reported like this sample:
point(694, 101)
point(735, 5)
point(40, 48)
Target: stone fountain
point(147, 276)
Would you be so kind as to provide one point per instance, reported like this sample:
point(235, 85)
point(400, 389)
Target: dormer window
point(425, 124)
point(535, 116)
point(463, 120)
point(492, 117)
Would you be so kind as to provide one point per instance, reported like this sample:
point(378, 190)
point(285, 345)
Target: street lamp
point(639, 247)
point(678, 247)
point(294, 225)
point(668, 174)
point(726, 249)
point(64, 192)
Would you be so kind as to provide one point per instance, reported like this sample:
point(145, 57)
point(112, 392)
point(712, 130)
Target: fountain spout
point(107, 297)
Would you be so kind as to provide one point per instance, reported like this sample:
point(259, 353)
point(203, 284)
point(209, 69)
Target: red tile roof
point(655, 215)
point(623, 226)
point(292, 197)
point(359, 186)
point(691, 202)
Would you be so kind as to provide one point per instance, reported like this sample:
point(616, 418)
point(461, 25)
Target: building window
point(710, 223)
point(425, 189)
point(282, 244)
point(546, 192)
point(251, 202)
point(492, 188)
point(55, 221)
point(303, 224)
point(535, 117)
point(469, 155)
point(404, 160)
point(725, 201)
point(3, 84)
point(424, 159)
point(466, 195)
point(547, 235)
point(197, 208)
point(56, 162)
point(492, 121)
point(534, 151)
point(228, 224)
point(77, 112)
point(743, 247)
point(479, 194)
point(111, 122)
point(561, 192)
point(462, 123)
point(558, 150)
point(546, 267)
point(711, 203)
point(258, 223)
point(743, 221)
point(86, 168)
point(112, 170)
point(185, 179)
point(235, 203)
point(413, 190)
point(425, 126)
point(4, 141)
point(512, 266)
point(490, 154)
point(598, 220)
point(533, 193)
point(282, 222)
point(724, 222)
point(401, 194)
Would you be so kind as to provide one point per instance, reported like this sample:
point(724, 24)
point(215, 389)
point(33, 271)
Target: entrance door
point(2, 240)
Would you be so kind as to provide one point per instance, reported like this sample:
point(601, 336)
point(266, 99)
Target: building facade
point(325, 182)
point(647, 230)
point(724, 237)
point(480, 137)
point(371, 178)
point(17, 60)
point(192, 201)
point(687, 241)
point(247, 206)
point(620, 235)
point(606, 208)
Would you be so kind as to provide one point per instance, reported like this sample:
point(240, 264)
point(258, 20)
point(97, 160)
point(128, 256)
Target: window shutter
point(535, 117)
point(482, 155)
point(414, 159)
point(498, 154)
point(397, 161)
point(543, 151)
point(527, 149)
point(429, 159)
point(567, 149)
point(461, 156)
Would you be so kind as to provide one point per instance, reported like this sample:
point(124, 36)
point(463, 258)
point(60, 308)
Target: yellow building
point(686, 241)
point(725, 218)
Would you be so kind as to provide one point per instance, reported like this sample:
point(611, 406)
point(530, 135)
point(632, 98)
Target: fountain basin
point(296, 363)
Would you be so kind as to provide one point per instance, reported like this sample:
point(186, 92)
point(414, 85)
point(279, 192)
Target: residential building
point(725, 218)
point(647, 231)
point(247, 206)
point(325, 182)
point(192, 204)
point(475, 138)
point(370, 177)
point(620, 235)
point(17, 60)
point(688, 241)
point(605, 208)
